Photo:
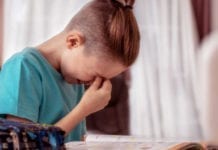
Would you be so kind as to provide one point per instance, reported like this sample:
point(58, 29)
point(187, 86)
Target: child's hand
point(96, 96)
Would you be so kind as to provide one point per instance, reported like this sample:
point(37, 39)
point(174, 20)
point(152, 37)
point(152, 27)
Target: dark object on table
point(17, 135)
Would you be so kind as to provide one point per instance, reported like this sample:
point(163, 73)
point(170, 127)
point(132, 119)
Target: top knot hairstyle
point(125, 3)
point(109, 28)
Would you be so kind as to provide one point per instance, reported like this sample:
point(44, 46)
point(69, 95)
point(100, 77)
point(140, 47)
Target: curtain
point(28, 23)
point(1, 31)
point(207, 68)
point(214, 22)
point(208, 72)
point(163, 95)
point(202, 12)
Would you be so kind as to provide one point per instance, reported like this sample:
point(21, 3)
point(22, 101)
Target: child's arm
point(95, 98)
point(18, 119)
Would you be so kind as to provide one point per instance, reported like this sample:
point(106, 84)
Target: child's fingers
point(96, 83)
point(107, 85)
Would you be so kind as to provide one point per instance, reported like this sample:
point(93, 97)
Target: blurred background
point(166, 93)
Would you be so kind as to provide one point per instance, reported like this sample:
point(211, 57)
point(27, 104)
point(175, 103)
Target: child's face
point(76, 67)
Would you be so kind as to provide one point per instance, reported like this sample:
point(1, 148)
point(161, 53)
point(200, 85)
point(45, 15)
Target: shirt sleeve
point(20, 89)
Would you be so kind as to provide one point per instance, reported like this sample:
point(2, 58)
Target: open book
point(114, 142)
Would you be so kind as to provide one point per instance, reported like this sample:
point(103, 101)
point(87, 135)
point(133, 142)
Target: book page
point(118, 146)
point(114, 142)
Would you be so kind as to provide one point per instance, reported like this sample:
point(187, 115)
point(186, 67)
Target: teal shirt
point(31, 88)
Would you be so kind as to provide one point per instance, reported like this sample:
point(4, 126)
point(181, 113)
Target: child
point(45, 84)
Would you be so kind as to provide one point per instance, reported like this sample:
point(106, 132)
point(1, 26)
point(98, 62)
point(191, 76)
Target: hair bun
point(126, 3)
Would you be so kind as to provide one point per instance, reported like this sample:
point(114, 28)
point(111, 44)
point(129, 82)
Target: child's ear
point(74, 40)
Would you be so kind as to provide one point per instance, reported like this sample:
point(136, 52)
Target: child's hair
point(109, 26)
